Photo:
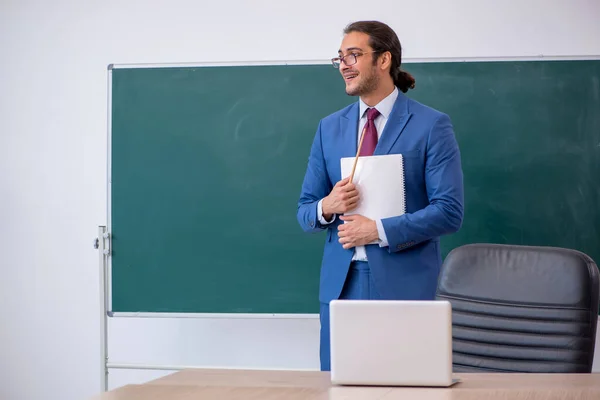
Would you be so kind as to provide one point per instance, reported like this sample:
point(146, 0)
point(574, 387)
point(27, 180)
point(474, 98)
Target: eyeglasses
point(349, 59)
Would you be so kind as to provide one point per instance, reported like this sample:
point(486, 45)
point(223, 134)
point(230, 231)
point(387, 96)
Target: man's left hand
point(357, 231)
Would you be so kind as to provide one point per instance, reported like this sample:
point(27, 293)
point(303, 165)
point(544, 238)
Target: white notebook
point(380, 182)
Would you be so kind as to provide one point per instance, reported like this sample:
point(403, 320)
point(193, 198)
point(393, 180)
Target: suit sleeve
point(444, 185)
point(315, 186)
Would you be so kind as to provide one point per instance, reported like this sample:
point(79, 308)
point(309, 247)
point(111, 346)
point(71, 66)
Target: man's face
point(360, 78)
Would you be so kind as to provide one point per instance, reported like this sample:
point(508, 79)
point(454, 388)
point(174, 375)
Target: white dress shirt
point(385, 108)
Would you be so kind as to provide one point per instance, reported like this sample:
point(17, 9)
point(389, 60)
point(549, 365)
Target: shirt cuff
point(322, 219)
point(383, 242)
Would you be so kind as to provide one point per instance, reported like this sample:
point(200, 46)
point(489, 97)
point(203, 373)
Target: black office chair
point(521, 308)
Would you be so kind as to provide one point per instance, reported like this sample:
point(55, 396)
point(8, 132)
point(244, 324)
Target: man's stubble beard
point(367, 85)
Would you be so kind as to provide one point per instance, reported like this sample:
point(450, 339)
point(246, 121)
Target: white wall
point(53, 58)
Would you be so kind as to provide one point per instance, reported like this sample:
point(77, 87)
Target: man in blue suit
point(405, 263)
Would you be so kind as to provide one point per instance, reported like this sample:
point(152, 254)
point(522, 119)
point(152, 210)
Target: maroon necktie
point(370, 140)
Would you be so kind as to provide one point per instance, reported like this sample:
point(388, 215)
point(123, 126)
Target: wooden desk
point(291, 385)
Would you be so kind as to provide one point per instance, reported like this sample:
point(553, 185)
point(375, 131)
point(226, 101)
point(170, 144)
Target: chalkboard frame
point(109, 172)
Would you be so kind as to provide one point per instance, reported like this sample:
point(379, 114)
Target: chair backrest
point(521, 308)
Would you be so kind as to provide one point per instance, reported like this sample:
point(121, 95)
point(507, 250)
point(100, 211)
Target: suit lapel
point(349, 129)
point(393, 128)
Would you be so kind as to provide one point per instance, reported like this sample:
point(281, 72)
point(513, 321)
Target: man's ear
point(386, 60)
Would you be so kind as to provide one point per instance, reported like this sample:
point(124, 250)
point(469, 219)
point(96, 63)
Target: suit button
point(311, 224)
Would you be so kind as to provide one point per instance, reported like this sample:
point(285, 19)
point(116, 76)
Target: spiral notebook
point(380, 182)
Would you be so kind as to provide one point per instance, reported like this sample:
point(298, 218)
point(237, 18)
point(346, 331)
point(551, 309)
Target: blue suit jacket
point(408, 268)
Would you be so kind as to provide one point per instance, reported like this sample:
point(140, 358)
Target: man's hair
point(381, 39)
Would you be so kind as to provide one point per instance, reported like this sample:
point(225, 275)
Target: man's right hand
point(343, 198)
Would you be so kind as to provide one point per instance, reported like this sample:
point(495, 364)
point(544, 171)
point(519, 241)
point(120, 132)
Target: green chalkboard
point(206, 165)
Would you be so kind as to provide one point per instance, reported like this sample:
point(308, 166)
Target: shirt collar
point(384, 106)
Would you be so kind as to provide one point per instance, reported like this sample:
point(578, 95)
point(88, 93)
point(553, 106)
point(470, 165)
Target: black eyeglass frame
point(337, 61)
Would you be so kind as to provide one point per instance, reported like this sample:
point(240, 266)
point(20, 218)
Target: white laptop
point(391, 342)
